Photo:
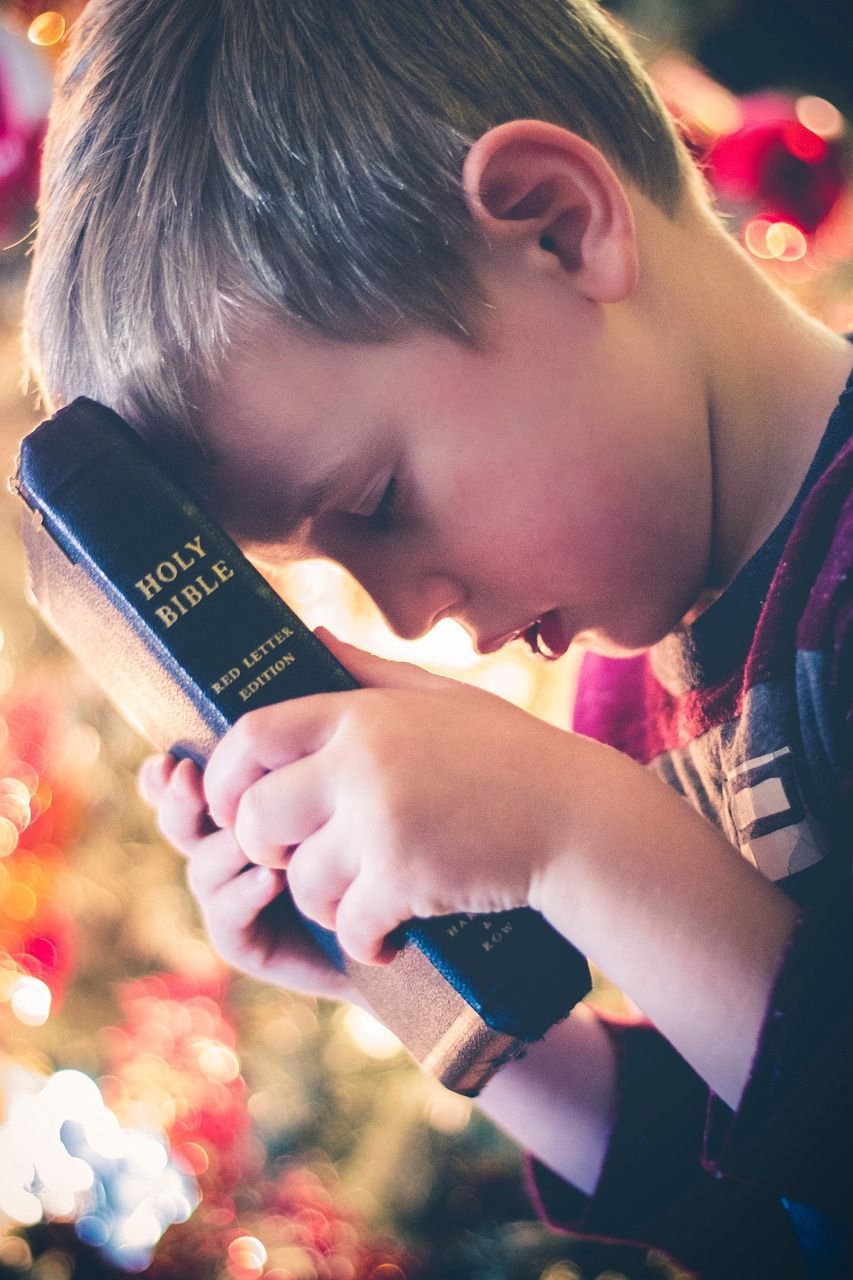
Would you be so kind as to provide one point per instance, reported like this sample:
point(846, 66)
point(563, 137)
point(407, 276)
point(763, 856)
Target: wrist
point(561, 874)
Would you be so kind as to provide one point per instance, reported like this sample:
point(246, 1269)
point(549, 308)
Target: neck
point(774, 375)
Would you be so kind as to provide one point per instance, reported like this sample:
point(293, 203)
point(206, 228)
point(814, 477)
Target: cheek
point(608, 531)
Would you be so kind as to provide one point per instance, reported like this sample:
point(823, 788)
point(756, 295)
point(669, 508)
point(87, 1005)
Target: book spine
point(231, 644)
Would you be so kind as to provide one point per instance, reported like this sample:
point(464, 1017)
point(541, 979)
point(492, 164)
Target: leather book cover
point(184, 634)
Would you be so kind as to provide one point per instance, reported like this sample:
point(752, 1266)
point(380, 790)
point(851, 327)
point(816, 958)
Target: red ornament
point(776, 166)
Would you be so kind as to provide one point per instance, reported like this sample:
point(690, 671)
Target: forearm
point(656, 896)
point(559, 1100)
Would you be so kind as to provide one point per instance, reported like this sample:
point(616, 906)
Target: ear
point(539, 188)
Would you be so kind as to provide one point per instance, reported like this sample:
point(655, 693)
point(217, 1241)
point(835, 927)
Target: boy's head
point(361, 254)
point(210, 160)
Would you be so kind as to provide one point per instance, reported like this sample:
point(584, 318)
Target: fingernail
point(183, 779)
point(256, 882)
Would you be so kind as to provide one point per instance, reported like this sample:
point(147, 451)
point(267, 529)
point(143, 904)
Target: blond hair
point(211, 159)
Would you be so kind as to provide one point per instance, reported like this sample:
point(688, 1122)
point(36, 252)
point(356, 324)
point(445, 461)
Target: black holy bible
point(185, 635)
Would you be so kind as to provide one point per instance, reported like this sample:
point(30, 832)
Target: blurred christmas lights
point(370, 1035)
point(30, 1000)
point(46, 28)
point(64, 1156)
point(774, 161)
point(819, 116)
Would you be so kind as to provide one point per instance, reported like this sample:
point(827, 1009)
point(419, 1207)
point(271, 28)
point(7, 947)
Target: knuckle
point(214, 784)
point(299, 880)
point(249, 824)
point(307, 891)
point(251, 730)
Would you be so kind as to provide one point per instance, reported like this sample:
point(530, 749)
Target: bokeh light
point(773, 239)
point(63, 1155)
point(47, 28)
point(370, 1035)
point(449, 1112)
point(246, 1253)
point(819, 116)
point(30, 1001)
point(218, 1062)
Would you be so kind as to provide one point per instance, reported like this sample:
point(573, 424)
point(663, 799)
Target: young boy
point(434, 290)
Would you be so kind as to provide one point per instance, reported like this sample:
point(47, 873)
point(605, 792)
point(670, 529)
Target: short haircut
point(209, 160)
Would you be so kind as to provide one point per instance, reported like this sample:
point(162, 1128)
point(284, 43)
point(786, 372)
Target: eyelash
point(382, 516)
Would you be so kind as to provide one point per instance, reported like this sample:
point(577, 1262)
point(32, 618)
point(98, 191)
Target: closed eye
point(382, 516)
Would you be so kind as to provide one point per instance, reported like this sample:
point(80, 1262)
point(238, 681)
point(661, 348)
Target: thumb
point(378, 673)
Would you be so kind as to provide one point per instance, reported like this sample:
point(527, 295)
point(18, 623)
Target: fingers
point(154, 774)
point(266, 739)
point(281, 809)
point(233, 908)
point(378, 673)
point(322, 886)
point(181, 806)
point(230, 892)
point(325, 883)
point(318, 875)
point(272, 737)
point(174, 788)
point(248, 913)
point(215, 861)
point(365, 917)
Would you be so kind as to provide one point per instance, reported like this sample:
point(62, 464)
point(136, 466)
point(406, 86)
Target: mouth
point(544, 636)
point(547, 637)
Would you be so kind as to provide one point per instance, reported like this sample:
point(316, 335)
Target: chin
point(604, 647)
point(630, 641)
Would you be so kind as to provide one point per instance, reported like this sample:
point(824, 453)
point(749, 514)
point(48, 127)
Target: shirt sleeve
point(655, 1191)
point(793, 1131)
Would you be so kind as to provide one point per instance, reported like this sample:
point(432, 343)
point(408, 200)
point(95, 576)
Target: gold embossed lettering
point(181, 560)
point(167, 615)
point(178, 603)
point(225, 679)
point(222, 570)
point(272, 642)
point(269, 673)
point(149, 586)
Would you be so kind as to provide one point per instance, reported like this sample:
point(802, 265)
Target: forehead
point(287, 421)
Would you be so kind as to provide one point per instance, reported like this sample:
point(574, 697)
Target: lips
point(497, 642)
point(546, 637)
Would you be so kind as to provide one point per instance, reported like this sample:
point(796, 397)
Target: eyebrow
point(311, 499)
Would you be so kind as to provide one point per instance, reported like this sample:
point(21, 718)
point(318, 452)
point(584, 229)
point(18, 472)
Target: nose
point(413, 607)
point(403, 581)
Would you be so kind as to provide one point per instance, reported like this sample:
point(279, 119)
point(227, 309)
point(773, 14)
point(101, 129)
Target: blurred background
point(159, 1113)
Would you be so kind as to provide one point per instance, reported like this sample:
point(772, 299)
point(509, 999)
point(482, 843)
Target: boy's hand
point(413, 796)
point(248, 913)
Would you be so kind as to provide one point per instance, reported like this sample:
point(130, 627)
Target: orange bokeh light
point(46, 28)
